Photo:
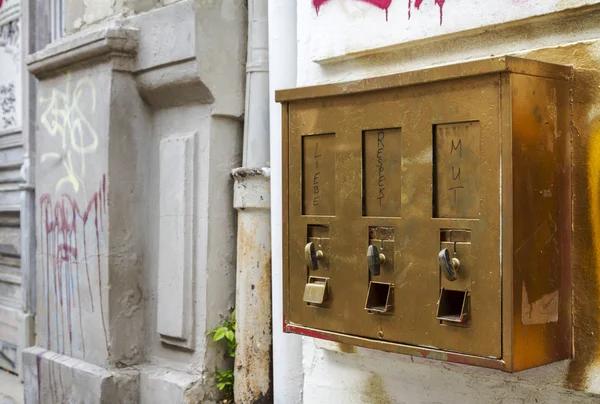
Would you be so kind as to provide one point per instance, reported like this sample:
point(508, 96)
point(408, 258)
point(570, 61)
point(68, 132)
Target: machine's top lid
point(502, 64)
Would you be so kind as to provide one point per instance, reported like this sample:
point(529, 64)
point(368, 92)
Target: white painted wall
point(350, 39)
point(344, 27)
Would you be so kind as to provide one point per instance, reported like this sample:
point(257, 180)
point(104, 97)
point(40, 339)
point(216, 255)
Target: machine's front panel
point(394, 215)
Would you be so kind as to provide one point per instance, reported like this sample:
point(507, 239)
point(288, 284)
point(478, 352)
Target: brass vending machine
point(429, 212)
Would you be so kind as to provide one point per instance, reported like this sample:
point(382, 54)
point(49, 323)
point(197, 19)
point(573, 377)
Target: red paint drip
point(409, 6)
point(79, 300)
point(440, 4)
point(39, 367)
point(316, 4)
point(418, 3)
point(382, 4)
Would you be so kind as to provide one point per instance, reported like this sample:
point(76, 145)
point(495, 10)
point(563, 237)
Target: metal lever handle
point(374, 260)
point(448, 266)
point(312, 256)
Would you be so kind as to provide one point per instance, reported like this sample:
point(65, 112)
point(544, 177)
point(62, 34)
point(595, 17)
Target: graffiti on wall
point(65, 113)
point(9, 53)
point(71, 242)
point(71, 229)
point(385, 5)
point(8, 107)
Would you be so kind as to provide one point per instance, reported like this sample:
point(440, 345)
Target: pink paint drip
point(316, 4)
point(385, 5)
point(440, 3)
point(418, 3)
point(382, 4)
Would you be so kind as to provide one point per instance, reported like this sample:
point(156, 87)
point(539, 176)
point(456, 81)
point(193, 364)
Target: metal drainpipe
point(253, 359)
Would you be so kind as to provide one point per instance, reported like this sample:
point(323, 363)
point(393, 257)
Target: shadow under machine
point(429, 212)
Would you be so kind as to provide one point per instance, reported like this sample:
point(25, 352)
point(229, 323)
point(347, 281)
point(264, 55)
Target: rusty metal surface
point(450, 164)
point(541, 235)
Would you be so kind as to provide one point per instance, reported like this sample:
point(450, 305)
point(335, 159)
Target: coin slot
point(380, 298)
point(453, 306)
point(455, 235)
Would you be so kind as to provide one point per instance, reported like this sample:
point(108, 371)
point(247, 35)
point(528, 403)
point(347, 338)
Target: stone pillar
point(88, 212)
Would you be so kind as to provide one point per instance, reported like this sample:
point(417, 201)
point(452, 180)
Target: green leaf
point(231, 345)
point(219, 334)
point(224, 375)
point(224, 379)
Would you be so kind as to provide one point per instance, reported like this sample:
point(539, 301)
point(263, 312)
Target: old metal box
point(429, 212)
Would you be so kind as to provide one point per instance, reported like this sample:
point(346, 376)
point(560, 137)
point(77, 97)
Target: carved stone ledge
point(113, 42)
point(10, 11)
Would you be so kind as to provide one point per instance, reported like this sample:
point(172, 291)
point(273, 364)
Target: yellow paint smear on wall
point(585, 255)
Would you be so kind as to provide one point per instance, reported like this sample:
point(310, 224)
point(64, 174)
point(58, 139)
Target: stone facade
point(139, 124)
point(15, 321)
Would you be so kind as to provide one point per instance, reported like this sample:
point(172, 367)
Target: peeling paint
point(541, 311)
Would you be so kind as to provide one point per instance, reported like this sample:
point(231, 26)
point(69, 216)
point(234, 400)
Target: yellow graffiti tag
point(63, 116)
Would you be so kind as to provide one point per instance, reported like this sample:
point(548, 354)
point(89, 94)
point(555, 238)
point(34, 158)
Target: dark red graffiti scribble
point(316, 4)
point(59, 225)
point(39, 374)
point(382, 4)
